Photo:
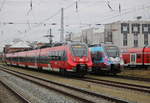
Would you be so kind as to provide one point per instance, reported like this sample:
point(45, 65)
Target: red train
point(73, 57)
point(137, 57)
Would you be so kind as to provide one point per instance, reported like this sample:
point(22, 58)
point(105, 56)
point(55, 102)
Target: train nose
point(116, 68)
point(81, 68)
point(81, 59)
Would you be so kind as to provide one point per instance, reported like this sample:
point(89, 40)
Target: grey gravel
point(6, 96)
point(37, 93)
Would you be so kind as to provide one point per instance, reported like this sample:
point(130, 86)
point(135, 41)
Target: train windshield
point(79, 50)
point(112, 51)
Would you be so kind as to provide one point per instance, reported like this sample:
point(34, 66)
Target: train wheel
point(26, 67)
point(62, 71)
point(114, 74)
point(39, 68)
point(6, 63)
point(81, 75)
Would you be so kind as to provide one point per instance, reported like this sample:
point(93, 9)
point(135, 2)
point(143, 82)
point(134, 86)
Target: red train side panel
point(74, 57)
point(137, 57)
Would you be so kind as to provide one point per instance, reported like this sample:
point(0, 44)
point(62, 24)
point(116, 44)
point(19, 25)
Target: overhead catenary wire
point(30, 7)
point(108, 4)
point(52, 16)
point(124, 12)
point(38, 24)
point(2, 5)
point(43, 22)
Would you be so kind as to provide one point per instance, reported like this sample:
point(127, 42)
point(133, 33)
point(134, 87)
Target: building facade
point(93, 35)
point(124, 34)
point(128, 34)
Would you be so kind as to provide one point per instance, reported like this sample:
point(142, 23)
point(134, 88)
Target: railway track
point(16, 93)
point(78, 93)
point(132, 78)
point(140, 88)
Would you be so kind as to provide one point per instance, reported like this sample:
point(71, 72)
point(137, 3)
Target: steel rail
point(109, 98)
point(132, 78)
point(117, 84)
point(25, 100)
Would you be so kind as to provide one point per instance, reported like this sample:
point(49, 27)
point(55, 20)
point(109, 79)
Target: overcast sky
point(24, 14)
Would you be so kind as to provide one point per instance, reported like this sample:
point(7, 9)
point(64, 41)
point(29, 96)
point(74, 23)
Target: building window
point(124, 28)
point(145, 28)
point(125, 40)
point(135, 40)
point(108, 37)
point(135, 43)
point(146, 39)
point(136, 28)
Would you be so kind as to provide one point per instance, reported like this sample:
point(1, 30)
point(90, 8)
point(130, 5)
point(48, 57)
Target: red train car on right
point(137, 57)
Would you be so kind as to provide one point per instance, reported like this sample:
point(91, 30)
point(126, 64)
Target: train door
point(133, 58)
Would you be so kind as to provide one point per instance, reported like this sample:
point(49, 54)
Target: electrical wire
point(2, 5)
point(124, 12)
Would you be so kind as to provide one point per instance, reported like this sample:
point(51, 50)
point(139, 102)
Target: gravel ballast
point(37, 93)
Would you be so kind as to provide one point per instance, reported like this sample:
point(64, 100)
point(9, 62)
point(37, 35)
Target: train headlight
point(74, 59)
point(107, 63)
point(121, 62)
point(81, 60)
point(114, 60)
point(86, 59)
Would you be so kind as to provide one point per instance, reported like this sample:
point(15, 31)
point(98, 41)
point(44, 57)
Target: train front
point(79, 58)
point(112, 59)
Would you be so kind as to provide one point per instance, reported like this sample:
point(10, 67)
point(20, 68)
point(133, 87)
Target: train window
point(55, 53)
point(22, 59)
point(92, 55)
point(64, 56)
point(27, 59)
point(50, 53)
point(97, 56)
point(138, 56)
point(133, 57)
point(79, 50)
point(58, 53)
point(112, 51)
point(19, 59)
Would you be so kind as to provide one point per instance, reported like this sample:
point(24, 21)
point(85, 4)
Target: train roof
point(61, 43)
point(94, 45)
point(48, 45)
point(98, 48)
point(101, 44)
point(146, 48)
point(135, 50)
